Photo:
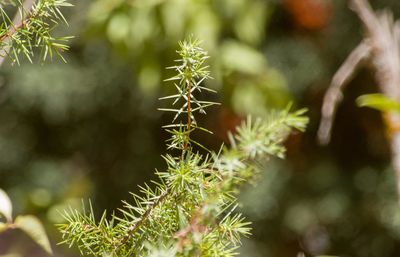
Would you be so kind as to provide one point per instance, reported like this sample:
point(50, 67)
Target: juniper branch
point(191, 210)
point(143, 218)
point(32, 28)
point(18, 22)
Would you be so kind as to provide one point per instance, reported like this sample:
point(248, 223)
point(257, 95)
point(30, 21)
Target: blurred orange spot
point(310, 14)
point(227, 121)
point(392, 126)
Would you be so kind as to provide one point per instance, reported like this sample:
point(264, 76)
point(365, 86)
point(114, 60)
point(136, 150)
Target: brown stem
point(8, 226)
point(189, 112)
point(132, 229)
point(189, 105)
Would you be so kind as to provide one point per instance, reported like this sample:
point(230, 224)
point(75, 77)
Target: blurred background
point(90, 128)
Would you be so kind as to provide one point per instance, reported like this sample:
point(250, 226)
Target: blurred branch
point(382, 48)
point(334, 94)
point(18, 22)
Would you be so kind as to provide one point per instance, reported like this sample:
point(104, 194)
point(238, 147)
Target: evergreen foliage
point(31, 28)
point(192, 209)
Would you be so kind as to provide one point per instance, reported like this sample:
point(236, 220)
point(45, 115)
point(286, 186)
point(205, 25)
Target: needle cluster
point(192, 209)
point(31, 28)
point(191, 73)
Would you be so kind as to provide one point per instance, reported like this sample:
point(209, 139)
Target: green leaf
point(379, 102)
point(5, 206)
point(34, 229)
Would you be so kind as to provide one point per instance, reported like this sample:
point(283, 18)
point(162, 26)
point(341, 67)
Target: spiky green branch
point(191, 210)
point(31, 29)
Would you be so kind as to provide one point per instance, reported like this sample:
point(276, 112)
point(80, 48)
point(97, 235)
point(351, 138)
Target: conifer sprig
point(192, 209)
point(31, 29)
point(191, 73)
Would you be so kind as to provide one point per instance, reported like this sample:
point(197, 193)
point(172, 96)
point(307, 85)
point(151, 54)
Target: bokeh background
point(90, 128)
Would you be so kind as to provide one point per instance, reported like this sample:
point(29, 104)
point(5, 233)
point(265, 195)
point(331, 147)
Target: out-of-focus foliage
point(233, 32)
point(90, 129)
point(5, 206)
point(27, 223)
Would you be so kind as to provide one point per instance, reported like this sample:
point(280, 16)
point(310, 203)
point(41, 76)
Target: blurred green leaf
point(251, 22)
point(118, 28)
point(34, 229)
point(5, 206)
point(379, 102)
point(240, 57)
point(172, 13)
